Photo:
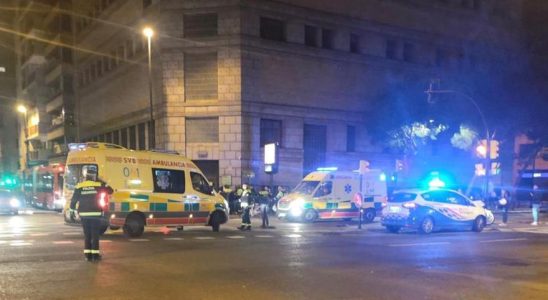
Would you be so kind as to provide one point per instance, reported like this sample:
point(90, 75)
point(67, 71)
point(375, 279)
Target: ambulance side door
point(324, 193)
point(201, 190)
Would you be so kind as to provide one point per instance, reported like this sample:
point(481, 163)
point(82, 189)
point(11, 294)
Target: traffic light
point(480, 170)
point(481, 149)
point(495, 168)
point(494, 149)
point(399, 165)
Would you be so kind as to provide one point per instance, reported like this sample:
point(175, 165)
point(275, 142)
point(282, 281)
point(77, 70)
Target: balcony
point(56, 132)
point(55, 104)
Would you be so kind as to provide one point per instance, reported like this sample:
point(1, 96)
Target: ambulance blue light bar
point(327, 169)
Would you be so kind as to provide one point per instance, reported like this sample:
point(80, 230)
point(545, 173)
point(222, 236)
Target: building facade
point(230, 76)
point(44, 45)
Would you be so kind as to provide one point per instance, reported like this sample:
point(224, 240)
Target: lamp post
point(149, 33)
point(23, 110)
point(431, 91)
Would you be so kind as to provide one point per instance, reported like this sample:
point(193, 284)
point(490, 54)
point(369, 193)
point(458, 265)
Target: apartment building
point(230, 76)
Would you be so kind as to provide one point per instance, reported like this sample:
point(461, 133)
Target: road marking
point(419, 244)
point(503, 240)
point(139, 240)
point(39, 234)
point(264, 236)
point(294, 236)
point(20, 244)
point(204, 238)
point(63, 242)
point(72, 233)
point(235, 237)
point(173, 239)
point(105, 241)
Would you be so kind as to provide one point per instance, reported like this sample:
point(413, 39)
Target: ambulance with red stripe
point(150, 188)
point(332, 194)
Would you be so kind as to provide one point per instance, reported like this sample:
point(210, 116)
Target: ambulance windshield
point(77, 173)
point(306, 187)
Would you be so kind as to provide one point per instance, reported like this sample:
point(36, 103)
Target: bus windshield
point(77, 173)
point(306, 187)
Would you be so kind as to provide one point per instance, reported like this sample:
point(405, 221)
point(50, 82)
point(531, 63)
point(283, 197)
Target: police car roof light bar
point(327, 169)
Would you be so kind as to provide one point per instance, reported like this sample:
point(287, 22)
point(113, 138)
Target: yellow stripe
point(95, 251)
point(90, 214)
point(88, 183)
point(86, 251)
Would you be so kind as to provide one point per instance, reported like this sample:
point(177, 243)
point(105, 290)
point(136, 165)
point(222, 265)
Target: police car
point(430, 210)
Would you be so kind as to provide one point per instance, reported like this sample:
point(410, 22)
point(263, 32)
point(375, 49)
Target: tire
point(369, 215)
point(426, 225)
point(310, 215)
point(215, 222)
point(479, 224)
point(114, 227)
point(393, 229)
point(134, 226)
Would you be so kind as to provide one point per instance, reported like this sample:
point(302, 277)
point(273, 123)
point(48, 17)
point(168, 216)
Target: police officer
point(90, 196)
point(247, 204)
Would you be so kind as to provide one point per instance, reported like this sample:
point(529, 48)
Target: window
point(202, 130)
point(409, 52)
point(201, 76)
point(132, 138)
point(402, 197)
point(199, 183)
point(391, 49)
point(327, 39)
point(272, 29)
point(129, 48)
point(168, 181)
point(324, 189)
point(123, 141)
point(141, 135)
point(77, 173)
point(310, 36)
point(200, 25)
point(350, 138)
point(116, 137)
point(99, 64)
point(354, 43)
point(108, 137)
point(271, 132)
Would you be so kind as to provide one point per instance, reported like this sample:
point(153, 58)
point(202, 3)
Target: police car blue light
point(434, 209)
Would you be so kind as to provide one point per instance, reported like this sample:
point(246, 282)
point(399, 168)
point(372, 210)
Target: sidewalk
point(520, 221)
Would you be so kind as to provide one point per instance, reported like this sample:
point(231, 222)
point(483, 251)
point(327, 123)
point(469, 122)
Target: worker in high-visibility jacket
point(91, 196)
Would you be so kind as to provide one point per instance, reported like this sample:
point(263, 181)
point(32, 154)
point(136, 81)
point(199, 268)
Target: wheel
point(114, 227)
point(427, 225)
point(310, 216)
point(368, 215)
point(134, 226)
point(393, 229)
point(479, 224)
point(215, 222)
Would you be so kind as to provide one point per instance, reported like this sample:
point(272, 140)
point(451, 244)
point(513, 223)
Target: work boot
point(248, 228)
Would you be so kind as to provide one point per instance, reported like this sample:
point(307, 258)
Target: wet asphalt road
point(41, 258)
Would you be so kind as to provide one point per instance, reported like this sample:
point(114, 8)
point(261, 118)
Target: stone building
point(229, 76)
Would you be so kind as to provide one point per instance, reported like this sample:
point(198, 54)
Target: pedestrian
point(264, 199)
point(504, 203)
point(246, 201)
point(536, 196)
point(90, 196)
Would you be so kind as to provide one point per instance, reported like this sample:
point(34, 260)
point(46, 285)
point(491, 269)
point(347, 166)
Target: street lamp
point(431, 91)
point(23, 110)
point(149, 33)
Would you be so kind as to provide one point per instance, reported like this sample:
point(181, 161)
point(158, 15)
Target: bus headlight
point(14, 202)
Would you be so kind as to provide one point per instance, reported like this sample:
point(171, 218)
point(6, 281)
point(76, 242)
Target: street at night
point(41, 258)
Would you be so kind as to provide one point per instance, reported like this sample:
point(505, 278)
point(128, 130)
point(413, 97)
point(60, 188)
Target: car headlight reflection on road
point(14, 202)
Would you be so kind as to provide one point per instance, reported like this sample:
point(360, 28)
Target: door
point(210, 168)
point(314, 146)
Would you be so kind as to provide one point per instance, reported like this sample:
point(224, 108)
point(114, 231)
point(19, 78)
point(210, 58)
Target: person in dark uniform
point(91, 197)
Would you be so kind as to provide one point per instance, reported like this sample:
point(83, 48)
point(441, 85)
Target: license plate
point(394, 209)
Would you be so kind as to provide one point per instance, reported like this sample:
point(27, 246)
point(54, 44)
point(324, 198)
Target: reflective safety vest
point(92, 198)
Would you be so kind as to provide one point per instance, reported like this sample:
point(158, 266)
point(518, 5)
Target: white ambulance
point(332, 194)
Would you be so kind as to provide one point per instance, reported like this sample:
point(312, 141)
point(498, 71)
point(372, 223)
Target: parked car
point(432, 210)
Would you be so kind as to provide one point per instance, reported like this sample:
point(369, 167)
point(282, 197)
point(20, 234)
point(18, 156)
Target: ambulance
point(332, 194)
point(150, 188)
